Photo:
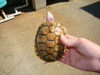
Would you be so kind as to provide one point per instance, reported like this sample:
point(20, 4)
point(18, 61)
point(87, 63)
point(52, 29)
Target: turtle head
point(49, 17)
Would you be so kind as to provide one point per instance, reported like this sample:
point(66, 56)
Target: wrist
point(98, 67)
point(99, 61)
point(98, 70)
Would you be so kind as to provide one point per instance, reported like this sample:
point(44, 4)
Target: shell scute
point(51, 36)
point(42, 54)
point(59, 48)
point(50, 50)
point(41, 47)
point(43, 37)
point(50, 44)
point(44, 30)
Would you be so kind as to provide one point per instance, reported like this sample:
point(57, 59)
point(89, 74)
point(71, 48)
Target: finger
point(63, 40)
point(70, 37)
point(67, 54)
point(65, 30)
point(69, 42)
point(65, 61)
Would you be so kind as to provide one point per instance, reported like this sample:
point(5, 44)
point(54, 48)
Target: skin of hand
point(81, 53)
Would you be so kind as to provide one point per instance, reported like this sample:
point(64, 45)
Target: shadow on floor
point(49, 2)
point(93, 9)
point(9, 8)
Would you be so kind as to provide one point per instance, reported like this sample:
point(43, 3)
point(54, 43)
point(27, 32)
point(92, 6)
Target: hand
point(82, 53)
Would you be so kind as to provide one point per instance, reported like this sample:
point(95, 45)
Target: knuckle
point(81, 39)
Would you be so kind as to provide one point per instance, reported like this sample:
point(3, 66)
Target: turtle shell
point(47, 42)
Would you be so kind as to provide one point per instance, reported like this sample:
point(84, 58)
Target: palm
point(75, 59)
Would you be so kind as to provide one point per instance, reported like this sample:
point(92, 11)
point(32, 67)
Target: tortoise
point(47, 41)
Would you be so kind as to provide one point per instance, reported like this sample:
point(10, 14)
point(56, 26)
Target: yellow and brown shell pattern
point(47, 42)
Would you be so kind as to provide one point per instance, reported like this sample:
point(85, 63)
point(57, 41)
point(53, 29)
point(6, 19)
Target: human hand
point(82, 53)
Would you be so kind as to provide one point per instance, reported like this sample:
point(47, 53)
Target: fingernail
point(64, 40)
point(62, 36)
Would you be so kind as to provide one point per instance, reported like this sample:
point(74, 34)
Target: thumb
point(69, 42)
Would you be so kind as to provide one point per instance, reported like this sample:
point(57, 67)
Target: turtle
point(47, 41)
